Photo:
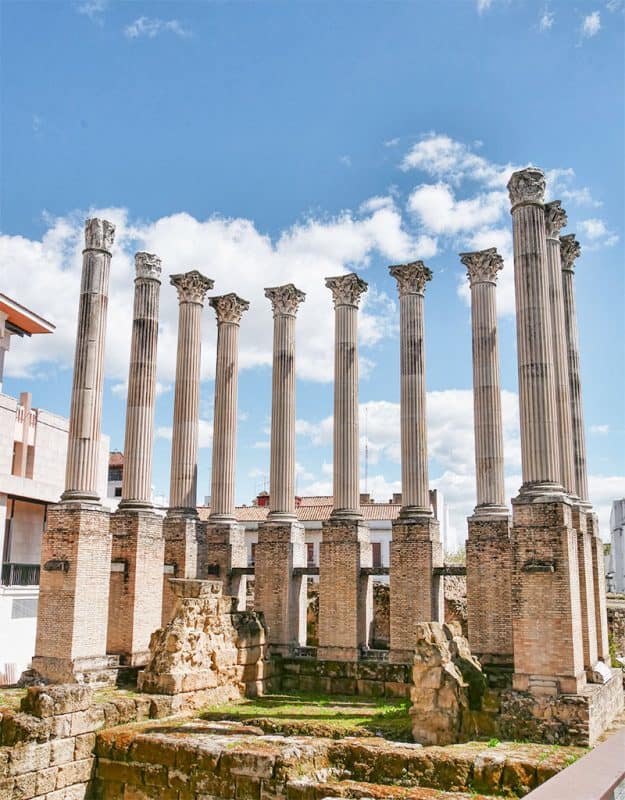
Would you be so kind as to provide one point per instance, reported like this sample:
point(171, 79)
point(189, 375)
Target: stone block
point(49, 701)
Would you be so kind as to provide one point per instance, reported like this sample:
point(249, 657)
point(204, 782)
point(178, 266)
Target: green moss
point(11, 698)
point(320, 716)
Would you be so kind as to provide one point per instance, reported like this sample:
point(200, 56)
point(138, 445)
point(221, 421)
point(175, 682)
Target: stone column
point(83, 446)
point(488, 546)
point(345, 591)
point(278, 593)
point(184, 539)
point(570, 251)
point(191, 287)
point(540, 454)
point(226, 538)
point(416, 548)
point(547, 630)
point(555, 220)
point(135, 597)
point(76, 546)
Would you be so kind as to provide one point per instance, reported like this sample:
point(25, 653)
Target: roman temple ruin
point(117, 588)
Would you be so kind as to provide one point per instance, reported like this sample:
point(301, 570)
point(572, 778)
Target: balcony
point(20, 574)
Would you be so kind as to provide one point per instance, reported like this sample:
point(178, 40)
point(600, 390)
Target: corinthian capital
point(191, 286)
point(482, 265)
point(570, 249)
point(147, 265)
point(346, 289)
point(411, 278)
point(555, 219)
point(229, 307)
point(285, 299)
point(527, 186)
point(99, 234)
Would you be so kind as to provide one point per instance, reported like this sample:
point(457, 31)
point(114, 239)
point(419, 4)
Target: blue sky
point(270, 142)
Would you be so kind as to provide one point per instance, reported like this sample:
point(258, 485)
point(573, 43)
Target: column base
point(135, 597)
point(278, 593)
point(416, 594)
point(185, 552)
point(577, 718)
point(345, 593)
point(225, 553)
point(489, 594)
point(101, 671)
point(73, 593)
point(546, 607)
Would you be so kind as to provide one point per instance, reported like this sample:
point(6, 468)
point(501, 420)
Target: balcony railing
point(20, 574)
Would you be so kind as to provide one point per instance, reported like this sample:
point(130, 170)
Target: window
point(118, 491)
point(377, 553)
point(310, 551)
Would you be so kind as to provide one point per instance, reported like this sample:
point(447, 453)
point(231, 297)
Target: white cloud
point(346, 161)
point(483, 5)
point(392, 142)
point(205, 433)
point(235, 255)
point(600, 429)
point(597, 233)
point(443, 157)
point(546, 20)
point(615, 5)
point(440, 212)
point(150, 27)
point(94, 9)
point(591, 25)
point(450, 447)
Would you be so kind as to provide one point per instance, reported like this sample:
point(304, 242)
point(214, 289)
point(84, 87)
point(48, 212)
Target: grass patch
point(314, 715)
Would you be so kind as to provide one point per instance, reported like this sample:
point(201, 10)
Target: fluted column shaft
point(411, 279)
point(83, 447)
point(229, 309)
point(285, 300)
point(570, 251)
point(346, 291)
point(191, 287)
point(138, 445)
point(537, 396)
point(555, 219)
point(482, 268)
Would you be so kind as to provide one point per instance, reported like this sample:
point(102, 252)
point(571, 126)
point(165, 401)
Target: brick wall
point(136, 583)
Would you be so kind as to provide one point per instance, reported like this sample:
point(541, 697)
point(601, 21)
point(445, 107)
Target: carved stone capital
point(555, 219)
point(285, 299)
point(229, 307)
point(99, 234)
point(482, 265)
point(191, 286)
point(527, 186)
point(570, 249)
point(148, 266)
point(347, 289)
point(411, 278)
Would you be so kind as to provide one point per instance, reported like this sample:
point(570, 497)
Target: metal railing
point(20, 574)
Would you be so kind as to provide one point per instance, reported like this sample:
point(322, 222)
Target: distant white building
point(33, 451)
point(616, 565)
point(313, 511)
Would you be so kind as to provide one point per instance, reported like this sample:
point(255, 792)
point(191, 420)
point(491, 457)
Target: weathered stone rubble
point(447, 684)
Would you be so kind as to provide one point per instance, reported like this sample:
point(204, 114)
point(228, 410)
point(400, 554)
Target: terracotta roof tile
point(315, 512)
